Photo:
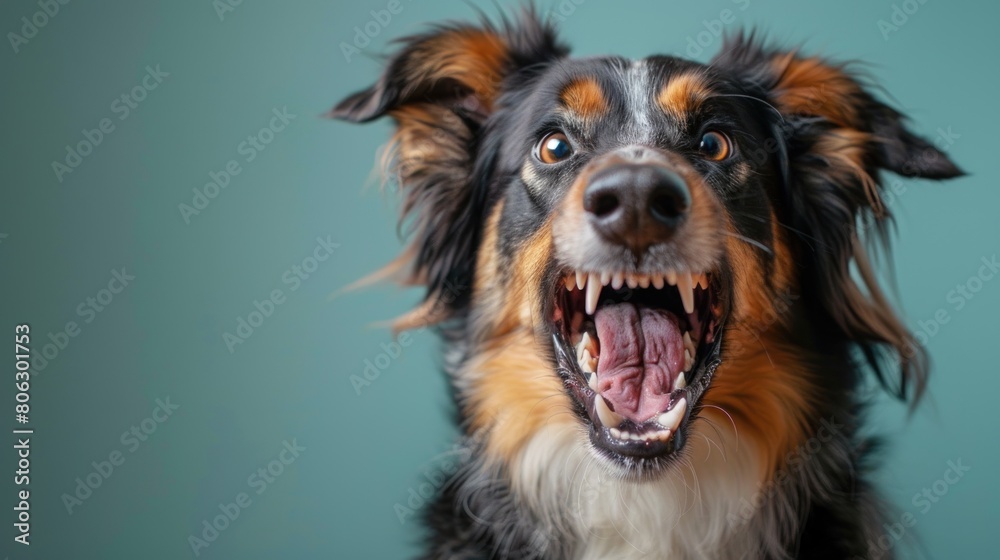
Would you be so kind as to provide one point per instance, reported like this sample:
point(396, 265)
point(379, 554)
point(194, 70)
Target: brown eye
point(714, 146)
point(554, 148)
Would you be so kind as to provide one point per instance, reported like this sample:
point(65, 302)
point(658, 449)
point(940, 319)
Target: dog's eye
point(714, 146)
point(554, 148)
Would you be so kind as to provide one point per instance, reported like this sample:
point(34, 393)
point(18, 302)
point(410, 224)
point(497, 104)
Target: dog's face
point(631, 246)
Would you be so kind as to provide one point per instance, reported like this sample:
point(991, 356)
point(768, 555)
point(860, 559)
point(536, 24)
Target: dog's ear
point(834, 140)
point(440, 88)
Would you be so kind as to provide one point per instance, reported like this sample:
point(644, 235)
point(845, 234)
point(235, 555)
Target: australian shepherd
point(654, 281)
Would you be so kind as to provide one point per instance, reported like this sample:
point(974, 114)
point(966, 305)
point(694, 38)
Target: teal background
point(163, 335)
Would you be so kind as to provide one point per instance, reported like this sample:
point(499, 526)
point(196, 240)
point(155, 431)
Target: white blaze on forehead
point(637, 81)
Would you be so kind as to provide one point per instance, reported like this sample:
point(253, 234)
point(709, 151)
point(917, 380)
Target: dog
point(654, 282)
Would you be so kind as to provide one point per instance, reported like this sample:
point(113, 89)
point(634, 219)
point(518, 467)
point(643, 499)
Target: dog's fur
point(769, 463)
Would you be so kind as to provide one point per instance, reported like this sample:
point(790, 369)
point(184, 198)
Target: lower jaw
point(650, 447)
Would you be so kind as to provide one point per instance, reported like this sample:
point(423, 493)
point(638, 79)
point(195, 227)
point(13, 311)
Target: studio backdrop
point(179, 220)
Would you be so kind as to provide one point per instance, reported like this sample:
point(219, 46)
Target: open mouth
point(637, 351)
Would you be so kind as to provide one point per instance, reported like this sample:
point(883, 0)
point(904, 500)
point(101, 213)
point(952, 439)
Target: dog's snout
point(636, 205)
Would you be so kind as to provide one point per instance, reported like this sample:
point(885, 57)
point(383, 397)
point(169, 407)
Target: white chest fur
point(695, 510)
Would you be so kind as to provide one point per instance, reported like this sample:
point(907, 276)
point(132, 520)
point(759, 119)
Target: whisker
point(749, 241)
point(733, 422)
point(751, 97)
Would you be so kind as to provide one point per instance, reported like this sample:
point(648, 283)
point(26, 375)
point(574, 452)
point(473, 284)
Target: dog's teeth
point(688, 360)
point(607, 416)
point(605, 278)
point(617, 279)
point(632, 281)
point(671, 278)
point(644, 281)
point(657, 281)
point(680, 382)
point(689, 344)
point(593, 293)
point(672, 418)
point(583, 345)
point(570, 282)
point(616, 433)
point(703, 281)
point(686, 290)
point(634, 437)
point(581, 280)
point(592, 382)
point(663, 435)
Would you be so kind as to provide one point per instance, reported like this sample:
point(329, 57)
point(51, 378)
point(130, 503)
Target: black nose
point(636, 205)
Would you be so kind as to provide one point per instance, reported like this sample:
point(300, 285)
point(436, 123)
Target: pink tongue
point(642, 352)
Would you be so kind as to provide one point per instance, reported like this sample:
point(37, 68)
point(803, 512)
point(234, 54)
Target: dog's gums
point(637, 352)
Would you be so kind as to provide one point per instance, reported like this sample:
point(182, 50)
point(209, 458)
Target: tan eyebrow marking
point(683, 94)
point(584, 97)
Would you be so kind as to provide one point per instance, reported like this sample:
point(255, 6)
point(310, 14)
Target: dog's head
point(628, 246)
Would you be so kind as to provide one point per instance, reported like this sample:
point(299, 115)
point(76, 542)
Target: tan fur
point(514, 392)
point(811, 87)
point(683, 95)
point(472, 57)
point(761, 382)
point(585, 98)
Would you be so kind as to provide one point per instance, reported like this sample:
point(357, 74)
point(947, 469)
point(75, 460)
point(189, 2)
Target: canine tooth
point(583, 345)
point(687, 292)
point(581, 280)
point(663, 435)
point(644, 281)
point(672, 418)
point(680, 382)
point(616, 433)
point(688, 343)
point(671, 278)
point(607, 416)
point(688, 360)
point(605, 278)
point(657, 281)
point(593, 293)
point(617, 279)
point(632, 281)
